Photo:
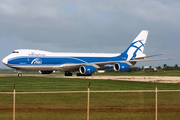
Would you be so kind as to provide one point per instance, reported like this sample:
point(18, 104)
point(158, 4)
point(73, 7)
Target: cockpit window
point(15, 52)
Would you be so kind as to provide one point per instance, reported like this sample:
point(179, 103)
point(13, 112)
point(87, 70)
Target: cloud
point(89, 26)
point(152, 10)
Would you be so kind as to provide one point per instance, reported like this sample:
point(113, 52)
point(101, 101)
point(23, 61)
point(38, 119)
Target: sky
point(93, 26)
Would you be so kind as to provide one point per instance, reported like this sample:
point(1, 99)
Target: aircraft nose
point(4, 61)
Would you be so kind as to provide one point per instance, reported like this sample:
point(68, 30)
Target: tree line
point(166, 67)
point(158, 68)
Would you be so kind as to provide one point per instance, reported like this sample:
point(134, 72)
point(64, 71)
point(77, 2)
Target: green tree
point(165, 65)
point(176, 66)
point(159, 67)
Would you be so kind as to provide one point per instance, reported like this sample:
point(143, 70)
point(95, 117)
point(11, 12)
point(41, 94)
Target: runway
point(157, 79)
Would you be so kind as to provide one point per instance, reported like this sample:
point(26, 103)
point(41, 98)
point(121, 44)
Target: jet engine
point(121, 66)
point(87, 69)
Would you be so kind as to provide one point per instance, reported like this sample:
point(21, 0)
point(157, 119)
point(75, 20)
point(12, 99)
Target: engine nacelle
point(45, 72)
point(121, 66)
point(87, 69)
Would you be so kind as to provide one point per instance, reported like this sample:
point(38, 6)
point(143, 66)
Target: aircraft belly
point(45, 67)
point(67, 68)
point(34, 68)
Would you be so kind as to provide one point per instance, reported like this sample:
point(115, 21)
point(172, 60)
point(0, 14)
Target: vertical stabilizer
point(137, 46)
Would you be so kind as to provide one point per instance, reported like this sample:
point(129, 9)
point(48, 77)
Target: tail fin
point(137, 46)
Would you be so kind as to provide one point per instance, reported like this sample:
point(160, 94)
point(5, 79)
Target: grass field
point(160, 73)
point(103, 106)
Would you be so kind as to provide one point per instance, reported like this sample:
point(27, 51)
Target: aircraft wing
point(131, 61)
point(144, 60)
point(97, 65)
point(147, 56)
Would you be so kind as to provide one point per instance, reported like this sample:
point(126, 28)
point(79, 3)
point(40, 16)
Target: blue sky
point(107, 26)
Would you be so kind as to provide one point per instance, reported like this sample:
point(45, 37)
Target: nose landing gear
point(19, 74)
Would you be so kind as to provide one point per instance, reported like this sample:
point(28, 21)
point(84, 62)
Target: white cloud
point(89, 26)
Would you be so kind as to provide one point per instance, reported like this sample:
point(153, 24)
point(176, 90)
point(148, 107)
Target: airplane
point(85, 63)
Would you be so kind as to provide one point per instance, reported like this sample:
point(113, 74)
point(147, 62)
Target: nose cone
point(4, 61)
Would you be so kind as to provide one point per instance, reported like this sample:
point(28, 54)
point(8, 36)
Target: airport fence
point(88, 92)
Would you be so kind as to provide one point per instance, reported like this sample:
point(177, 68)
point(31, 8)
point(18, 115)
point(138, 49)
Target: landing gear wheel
point(19, 74)
point(68, 73)
point(79, 74)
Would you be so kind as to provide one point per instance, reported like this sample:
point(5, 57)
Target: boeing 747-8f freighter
point(85, 63)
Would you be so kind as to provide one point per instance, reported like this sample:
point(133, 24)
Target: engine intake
point(87, 69)
point(121, 66)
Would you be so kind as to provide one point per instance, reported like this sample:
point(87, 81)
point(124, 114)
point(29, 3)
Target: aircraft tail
point(136, 49)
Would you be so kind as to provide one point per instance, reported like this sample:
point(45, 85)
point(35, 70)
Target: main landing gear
point(67, 73)
point(79, 74)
